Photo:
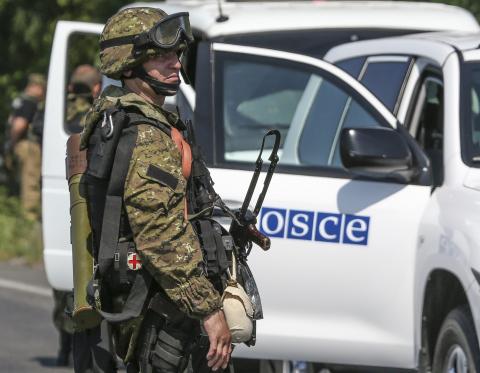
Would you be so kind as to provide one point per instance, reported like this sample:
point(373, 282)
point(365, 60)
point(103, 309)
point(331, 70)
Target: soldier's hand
point(220, 340)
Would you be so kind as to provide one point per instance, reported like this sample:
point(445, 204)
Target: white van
point(338, 285)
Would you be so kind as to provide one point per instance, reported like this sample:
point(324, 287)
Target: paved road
point(28, 340)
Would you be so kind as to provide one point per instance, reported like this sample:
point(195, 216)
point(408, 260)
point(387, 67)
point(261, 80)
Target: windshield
point(471, 114)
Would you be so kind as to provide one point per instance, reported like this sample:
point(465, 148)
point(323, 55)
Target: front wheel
point(457, 349)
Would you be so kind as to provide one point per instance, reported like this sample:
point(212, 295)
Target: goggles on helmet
point(166, 34)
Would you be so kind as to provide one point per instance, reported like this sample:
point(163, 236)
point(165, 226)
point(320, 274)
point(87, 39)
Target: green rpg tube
point(84, 315)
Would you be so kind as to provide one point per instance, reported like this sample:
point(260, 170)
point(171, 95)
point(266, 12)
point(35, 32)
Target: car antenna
point(221, 17)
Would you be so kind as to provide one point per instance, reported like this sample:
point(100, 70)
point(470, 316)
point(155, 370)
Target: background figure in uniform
point(26, 129)
point(84, 87)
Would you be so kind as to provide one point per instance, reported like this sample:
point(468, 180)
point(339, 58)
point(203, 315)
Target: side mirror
point(376, 152)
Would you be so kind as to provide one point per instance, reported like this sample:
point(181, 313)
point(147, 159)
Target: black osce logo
point(318, 226)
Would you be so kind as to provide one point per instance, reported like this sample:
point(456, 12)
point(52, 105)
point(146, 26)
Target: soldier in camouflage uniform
point(154, 197)
point(84, 87)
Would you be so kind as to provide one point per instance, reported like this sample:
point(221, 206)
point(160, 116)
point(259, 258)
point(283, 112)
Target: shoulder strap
point(114, 199)
point(135, 119)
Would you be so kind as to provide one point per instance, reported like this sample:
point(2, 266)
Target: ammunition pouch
point(217, 248)
point(166, 338)
point(240, 298)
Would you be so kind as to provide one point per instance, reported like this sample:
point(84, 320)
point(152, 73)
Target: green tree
point(26, 32)
point(471, 5)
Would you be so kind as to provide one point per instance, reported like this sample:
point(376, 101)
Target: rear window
point(374, 72)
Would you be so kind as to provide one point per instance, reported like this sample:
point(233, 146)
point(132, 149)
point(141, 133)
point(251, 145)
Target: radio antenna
point(221, 17)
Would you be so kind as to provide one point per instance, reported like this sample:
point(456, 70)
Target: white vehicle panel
point(473, 55)
point(455, 169)
point(332, 279)
point(55, 197)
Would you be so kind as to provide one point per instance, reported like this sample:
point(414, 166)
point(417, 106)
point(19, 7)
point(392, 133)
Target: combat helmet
point(133, 35)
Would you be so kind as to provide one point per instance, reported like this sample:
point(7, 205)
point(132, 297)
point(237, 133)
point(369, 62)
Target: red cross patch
point(134, 262)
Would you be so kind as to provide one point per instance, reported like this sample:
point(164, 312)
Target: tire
point(456, 350)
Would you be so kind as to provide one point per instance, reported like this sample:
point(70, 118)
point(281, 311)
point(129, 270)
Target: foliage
point(26, 33)
point(472, 5)
point(19, 237)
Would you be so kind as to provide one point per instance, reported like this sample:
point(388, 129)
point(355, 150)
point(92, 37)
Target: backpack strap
point(114, 200)
point(135, 119)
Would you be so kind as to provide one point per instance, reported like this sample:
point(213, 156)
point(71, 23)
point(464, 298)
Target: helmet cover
point(127, 22)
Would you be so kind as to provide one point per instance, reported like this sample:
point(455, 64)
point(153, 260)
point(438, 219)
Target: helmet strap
point(160, 88)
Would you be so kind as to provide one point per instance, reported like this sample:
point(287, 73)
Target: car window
point(475, 111)
point(257, 97)
point(426, 124)
point(385, 79)
point(353, 66)
point(309, 107)
point(332, 110)
point(470, 103)
point(384, 76)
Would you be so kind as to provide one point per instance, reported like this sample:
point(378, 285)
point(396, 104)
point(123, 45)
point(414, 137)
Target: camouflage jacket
point(165, 240)
point(77, 107)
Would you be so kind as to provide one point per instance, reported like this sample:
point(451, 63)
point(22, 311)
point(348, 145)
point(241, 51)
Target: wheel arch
point(443, 292)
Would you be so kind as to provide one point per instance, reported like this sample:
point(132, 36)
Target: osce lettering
point(318, 226)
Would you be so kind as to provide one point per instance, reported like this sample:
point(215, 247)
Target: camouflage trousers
point(28, 159)
point(62, 300)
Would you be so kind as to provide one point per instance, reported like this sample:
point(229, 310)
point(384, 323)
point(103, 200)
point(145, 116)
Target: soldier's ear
point(127, 74)
point(96, 90)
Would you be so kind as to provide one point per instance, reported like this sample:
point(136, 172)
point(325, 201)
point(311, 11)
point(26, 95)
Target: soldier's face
point(36, 91)
point(165, 67)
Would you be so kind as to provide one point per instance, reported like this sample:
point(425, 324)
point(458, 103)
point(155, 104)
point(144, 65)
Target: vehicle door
point(69, 39)
point(337, 283)
point(74, 43)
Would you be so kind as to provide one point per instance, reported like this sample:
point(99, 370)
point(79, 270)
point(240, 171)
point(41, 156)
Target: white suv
point(352, 248)
point(431, 82)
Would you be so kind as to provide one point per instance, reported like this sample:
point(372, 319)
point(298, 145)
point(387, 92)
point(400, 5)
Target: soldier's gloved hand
point(220, 340)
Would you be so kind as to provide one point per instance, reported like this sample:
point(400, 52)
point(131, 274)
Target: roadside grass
point(20, 238)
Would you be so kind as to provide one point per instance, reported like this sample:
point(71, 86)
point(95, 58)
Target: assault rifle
point(243, 229)
point(203, 197)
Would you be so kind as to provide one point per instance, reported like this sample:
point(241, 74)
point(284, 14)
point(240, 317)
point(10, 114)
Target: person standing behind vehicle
point(26, 129)
point(84, 87)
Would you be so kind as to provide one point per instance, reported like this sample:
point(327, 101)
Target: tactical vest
point(110, 149)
